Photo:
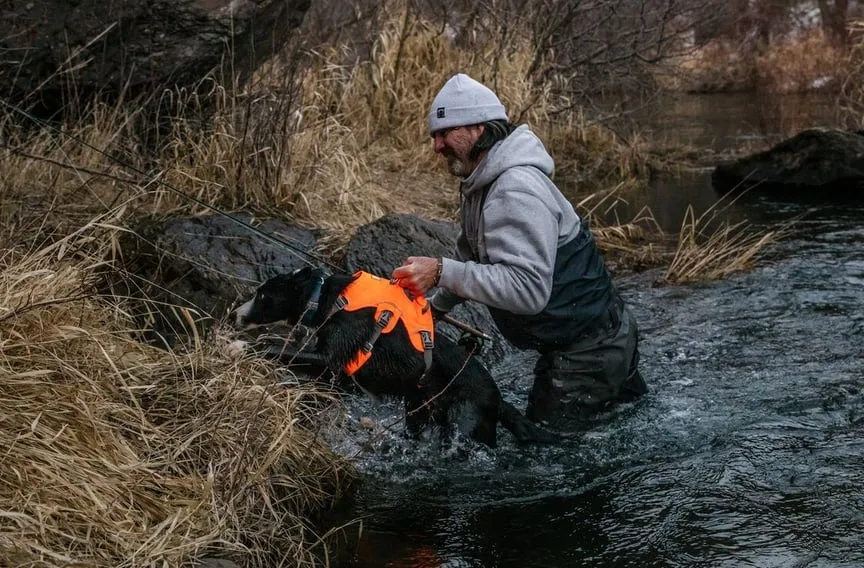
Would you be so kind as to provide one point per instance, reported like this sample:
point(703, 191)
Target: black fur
point(457, 390)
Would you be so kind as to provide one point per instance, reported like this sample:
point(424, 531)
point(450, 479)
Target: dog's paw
point(236, 349)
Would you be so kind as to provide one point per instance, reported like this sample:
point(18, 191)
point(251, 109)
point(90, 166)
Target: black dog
point(456, 388)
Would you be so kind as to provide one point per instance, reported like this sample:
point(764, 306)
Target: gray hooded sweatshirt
point(523, 251)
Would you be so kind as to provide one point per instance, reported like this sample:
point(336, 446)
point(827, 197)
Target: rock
point(813, 163)
point(142, 43)
point(382, 245)
point(204, 263)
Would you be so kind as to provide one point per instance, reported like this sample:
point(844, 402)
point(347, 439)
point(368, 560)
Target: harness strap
point(341, 302)
point(312, 305)
point(365, 352)
point(428, 345)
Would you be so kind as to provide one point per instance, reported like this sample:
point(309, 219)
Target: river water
point(748, 451)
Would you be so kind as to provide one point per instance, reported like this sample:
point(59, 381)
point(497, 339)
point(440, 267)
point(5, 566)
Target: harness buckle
point(338, 305)
point(384, 318)
point(426, 336)
point(381, 322)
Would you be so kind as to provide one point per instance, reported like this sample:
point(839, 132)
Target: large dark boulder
point(813, 163)
point(382, 245)
point(46, 45)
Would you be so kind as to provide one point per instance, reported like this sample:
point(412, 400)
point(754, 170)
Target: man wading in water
point(525, 253)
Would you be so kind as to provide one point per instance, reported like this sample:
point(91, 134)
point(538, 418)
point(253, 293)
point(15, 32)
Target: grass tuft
point(120, 454)
point(710, 248)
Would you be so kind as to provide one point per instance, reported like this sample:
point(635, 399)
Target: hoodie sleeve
point(444, 300)
point(521, 238)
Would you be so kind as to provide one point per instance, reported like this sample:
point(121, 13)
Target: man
point(525, 253)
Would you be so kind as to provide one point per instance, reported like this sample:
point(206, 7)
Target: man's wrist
point(438, 268)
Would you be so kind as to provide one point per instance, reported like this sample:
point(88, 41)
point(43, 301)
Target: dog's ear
point(302, 272)
point(307, 275)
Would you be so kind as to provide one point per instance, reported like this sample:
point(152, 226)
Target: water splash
point(745, 452)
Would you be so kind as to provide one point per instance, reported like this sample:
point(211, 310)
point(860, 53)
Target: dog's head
point(285, 297)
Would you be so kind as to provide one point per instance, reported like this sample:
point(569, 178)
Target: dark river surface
point(748, 451)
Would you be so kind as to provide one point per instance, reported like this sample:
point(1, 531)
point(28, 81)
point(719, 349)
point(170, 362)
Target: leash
point(301, 253)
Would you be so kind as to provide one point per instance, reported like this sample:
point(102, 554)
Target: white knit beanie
point(463, 101)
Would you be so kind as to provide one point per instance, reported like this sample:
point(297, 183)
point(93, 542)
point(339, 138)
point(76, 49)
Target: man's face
point(455, 145)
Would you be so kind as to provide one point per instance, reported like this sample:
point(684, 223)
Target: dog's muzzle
point(242, 312)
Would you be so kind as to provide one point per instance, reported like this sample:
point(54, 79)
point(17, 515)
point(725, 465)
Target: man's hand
point(418, 274)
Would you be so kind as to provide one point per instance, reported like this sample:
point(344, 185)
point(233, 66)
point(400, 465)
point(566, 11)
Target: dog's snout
point(241, 313)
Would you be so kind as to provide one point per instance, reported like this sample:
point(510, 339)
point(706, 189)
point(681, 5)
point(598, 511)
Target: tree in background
point(834, 20)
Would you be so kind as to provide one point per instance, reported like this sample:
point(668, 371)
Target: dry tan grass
point(853, 80)
point(120, 454)
point(794, 66)
point(61, 167)
point(588, 151)
point(711, 248)
point(356, 139)
point(332, 144)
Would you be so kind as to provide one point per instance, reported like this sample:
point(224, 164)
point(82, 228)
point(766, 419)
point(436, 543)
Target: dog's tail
point(524, 430)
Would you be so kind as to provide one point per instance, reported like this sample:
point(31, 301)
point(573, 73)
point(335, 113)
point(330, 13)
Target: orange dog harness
point(392, 304)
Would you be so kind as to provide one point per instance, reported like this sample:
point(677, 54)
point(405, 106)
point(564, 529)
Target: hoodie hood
point(521, 148)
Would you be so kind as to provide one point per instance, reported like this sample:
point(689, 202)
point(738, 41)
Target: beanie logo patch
point(440, 112)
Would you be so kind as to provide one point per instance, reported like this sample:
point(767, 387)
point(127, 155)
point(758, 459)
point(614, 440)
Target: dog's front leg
point(417, 412)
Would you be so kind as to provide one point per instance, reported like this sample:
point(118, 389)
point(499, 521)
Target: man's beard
point(458, 166)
